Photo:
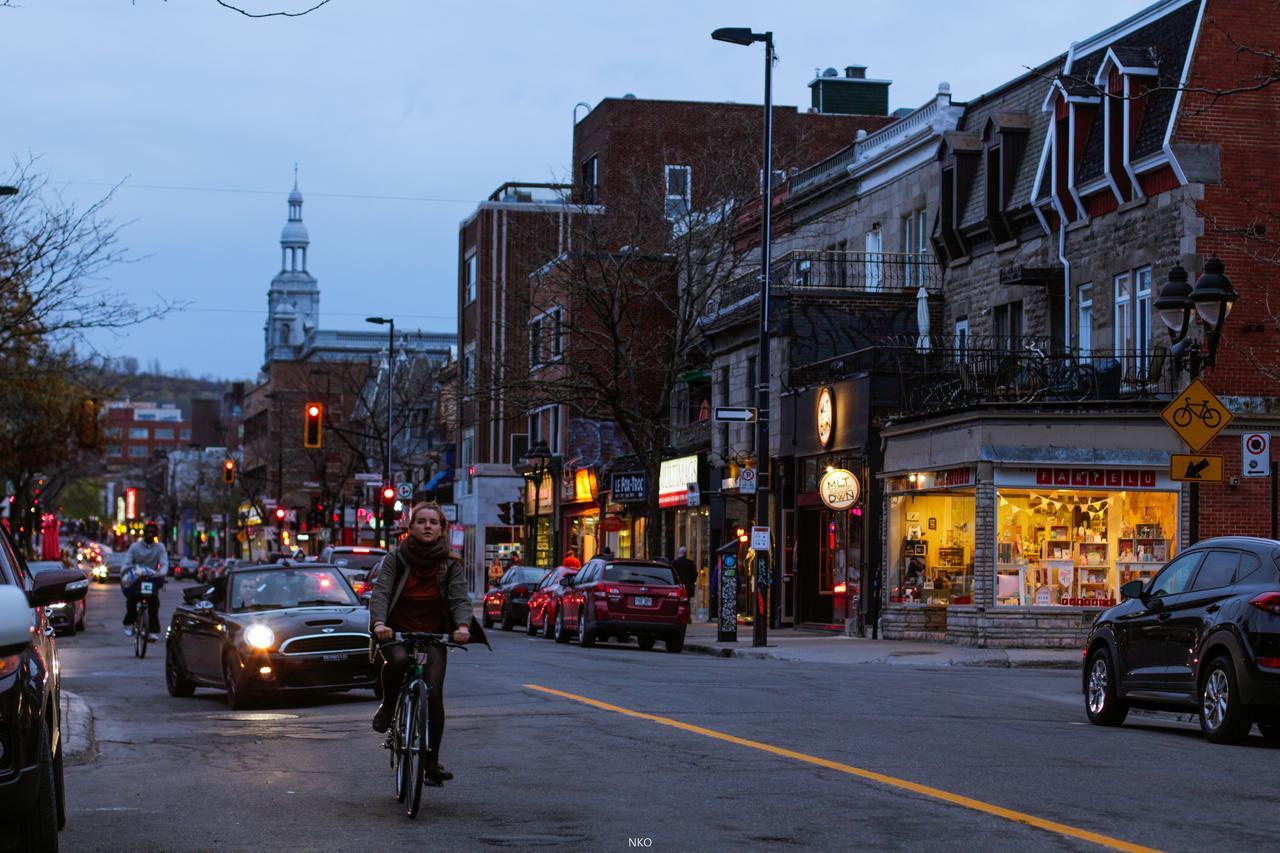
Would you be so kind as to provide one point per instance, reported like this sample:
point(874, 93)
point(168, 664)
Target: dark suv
point(1202, 635)
point(32, 808)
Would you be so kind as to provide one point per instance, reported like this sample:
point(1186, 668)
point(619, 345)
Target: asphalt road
point(535, 769)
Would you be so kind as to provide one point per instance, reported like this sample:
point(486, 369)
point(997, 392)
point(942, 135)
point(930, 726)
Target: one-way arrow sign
point(737, 414)
point(1195, 468)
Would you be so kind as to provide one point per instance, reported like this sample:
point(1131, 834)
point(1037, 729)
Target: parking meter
point(727, 562)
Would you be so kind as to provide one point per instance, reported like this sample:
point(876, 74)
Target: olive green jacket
point(393, 573)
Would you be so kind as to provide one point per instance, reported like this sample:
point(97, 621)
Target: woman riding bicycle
point(148, 559)
point(419, 588)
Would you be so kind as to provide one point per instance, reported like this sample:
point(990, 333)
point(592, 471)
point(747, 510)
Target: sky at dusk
point(401, 115)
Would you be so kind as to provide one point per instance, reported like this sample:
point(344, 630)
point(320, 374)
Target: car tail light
point(9, 664)
point(1268, 601)
point(1270, 663)
point(613, 591)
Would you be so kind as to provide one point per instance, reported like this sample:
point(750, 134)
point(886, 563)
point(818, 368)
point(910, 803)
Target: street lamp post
point(1212, 298)
point(744, 36)
point(390, 323)
point(539, 456)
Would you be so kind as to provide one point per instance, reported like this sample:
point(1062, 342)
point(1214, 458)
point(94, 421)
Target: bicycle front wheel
point(140, 631)
point(401, 740)
point(418, 754)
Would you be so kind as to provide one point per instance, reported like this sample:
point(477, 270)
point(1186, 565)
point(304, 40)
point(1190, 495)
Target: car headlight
point(259, 636)
point(58, 605)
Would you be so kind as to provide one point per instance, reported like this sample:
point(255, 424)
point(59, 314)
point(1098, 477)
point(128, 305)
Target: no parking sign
point(1256, 454)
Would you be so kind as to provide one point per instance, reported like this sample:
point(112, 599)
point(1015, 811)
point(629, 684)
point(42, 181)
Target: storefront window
point(583, 538)
point(931, 537)
point(1076, 548)
point(693, 532)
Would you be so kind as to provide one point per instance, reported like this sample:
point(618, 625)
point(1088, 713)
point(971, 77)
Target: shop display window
point(1071, 548)
point(931, 536)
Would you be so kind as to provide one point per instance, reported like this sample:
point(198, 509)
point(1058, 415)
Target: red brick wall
point(1243, 510)
point(1244, 126)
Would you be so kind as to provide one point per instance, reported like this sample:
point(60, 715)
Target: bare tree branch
point(247, 14)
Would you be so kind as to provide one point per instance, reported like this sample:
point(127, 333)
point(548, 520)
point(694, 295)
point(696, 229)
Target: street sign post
point(1255, 454)
point(366, 477)
point(404, 491)
point(1196, 415)
point(735, 414)
point(1195, 468)
point(747, 481)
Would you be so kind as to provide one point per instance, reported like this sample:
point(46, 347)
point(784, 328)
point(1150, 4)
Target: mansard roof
point(1014, 106)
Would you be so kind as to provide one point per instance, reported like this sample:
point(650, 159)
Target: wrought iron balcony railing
point(867, 272)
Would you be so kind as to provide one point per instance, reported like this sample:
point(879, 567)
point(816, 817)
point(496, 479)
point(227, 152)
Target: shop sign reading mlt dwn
point(839, 489)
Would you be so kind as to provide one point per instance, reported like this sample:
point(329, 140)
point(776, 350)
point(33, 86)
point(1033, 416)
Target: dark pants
point(153, 612)
point(395, 660)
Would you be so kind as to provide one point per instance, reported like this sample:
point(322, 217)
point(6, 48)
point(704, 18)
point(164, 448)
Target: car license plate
point(642, 601)
point(335, 657)
point(146, 587)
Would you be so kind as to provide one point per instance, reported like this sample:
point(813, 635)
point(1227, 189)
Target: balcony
point(864, 272)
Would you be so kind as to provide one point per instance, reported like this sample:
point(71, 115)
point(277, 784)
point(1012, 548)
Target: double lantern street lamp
point(745, 37)
point(1212, 298)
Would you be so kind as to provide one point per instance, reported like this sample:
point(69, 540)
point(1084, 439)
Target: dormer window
point(1127, 74)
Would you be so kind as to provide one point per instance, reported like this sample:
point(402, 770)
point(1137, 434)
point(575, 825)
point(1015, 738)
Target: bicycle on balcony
point(1032, 376)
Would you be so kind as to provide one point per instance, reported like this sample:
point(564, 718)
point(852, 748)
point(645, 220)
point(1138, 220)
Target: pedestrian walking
point(571, 560)
point(687, 573)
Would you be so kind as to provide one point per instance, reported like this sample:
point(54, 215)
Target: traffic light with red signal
point(388, 495)
point(229, 471)
point(313, 430)
point(280, 514)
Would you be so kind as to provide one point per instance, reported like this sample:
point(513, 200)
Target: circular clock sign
point(839, 489)
point(826, 416)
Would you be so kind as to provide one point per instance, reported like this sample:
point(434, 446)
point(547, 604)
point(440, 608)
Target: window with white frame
point(1122, 294)
point(469, 367)
point(915, 244)
point(874, 269)
point(546, 344)
point(1142, 315)
point(544, 425)
point(962, 339)
point(679, 183)
point(470, 268)
point(1084, 332)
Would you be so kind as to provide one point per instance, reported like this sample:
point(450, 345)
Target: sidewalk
point(77, 729)
point(812, 647)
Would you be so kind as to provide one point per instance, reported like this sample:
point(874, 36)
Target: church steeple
point(293, 302)
point(294, 239)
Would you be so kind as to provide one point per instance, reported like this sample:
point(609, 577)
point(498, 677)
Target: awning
point(438, 479)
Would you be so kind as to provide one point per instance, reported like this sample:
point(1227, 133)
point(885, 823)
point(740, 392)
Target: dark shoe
point(382, 719)
point(436, 774)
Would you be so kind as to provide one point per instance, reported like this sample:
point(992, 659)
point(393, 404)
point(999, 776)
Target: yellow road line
point(871, 775)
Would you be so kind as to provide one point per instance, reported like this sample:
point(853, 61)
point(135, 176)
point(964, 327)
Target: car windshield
point(38, 566)
point(356, 561)
point(637, 573)
point(276, 589)
point(523, 574)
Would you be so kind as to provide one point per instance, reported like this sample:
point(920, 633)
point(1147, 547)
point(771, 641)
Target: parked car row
point(605, 599)
point(66, 617)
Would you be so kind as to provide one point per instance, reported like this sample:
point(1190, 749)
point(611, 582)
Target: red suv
point(619, 598)
point(545, 601)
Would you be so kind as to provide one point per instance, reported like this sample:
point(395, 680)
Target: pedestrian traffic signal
point(388, 495)
point(313, 431)
point(229, 471)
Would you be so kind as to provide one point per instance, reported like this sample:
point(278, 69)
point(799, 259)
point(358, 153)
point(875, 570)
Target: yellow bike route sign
point(1196, 415)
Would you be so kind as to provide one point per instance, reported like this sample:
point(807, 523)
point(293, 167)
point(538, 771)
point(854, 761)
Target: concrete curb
point(78, 746)
point(992, 658)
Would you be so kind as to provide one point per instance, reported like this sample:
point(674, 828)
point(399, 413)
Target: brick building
point(1028, 475)
point(134, 431)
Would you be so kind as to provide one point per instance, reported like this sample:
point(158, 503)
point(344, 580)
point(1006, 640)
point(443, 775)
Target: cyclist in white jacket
point(146, 558)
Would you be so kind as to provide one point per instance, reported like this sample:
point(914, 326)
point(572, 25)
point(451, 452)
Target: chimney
point(852, 94)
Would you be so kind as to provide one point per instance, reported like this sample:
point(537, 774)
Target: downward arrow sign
point(1194, 469)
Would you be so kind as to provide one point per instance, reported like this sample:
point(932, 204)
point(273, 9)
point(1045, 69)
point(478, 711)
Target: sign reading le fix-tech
point(1196, 415)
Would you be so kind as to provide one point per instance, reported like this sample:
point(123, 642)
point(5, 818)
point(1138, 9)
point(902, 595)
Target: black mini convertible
point(269, 629)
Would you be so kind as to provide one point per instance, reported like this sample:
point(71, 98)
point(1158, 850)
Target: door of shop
point(811, 604)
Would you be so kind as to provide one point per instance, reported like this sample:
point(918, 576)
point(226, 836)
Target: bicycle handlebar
point(430, 639)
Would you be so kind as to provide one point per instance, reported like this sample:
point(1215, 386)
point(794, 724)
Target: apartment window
point(962, 339)
point(470, 269)
point(535, 342)
point(186, 435)
point(469, 367)
point(137, 451)
point(804, 272)
point(139, 433)
point(874, 263)
point(914, 244)
point(1008, 326)
point(1084, 332)
point(591, 181)
point(114, 450)
point(545, 342)
point(544, 425)
point(1142, 314)
point(163, 434)
point(1123, 295)
point(679, 190)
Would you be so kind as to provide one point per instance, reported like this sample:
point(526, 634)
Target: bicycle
point(147, 590)
point(1182, 416)
point(1054, 377)
point(407, 737)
